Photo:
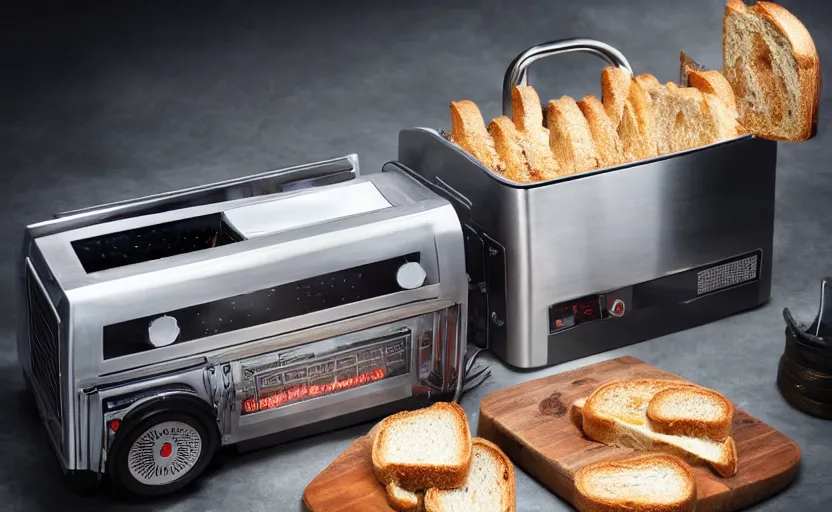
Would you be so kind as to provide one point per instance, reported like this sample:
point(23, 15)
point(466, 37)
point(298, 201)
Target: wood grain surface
point(531, 423)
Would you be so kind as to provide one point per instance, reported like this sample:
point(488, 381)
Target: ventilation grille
point(727, 275)
point(44, 355)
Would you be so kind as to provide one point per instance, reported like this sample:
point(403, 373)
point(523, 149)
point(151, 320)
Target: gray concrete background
point(104, 102)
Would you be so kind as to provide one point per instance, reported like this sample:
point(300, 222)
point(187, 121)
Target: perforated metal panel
point(729, 274)
point(44, 339)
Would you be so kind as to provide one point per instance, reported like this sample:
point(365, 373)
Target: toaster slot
point(270, 304)
point(154, 242)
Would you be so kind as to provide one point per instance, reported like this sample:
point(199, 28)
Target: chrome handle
point(517, 72)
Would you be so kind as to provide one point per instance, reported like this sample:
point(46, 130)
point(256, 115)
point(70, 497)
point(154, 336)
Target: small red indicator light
point(165, 450)
point(115, 425)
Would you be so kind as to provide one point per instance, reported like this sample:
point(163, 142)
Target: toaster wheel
point(161, 451)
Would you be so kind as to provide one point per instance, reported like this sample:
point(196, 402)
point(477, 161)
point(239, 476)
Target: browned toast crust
point(717, 429)
point(469, 133)
point(585, 501)
point(423, 476)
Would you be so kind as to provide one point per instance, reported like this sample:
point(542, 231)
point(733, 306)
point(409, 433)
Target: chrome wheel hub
point(164, 453)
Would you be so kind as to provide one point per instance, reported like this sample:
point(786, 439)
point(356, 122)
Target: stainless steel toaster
point(154, 331)
point(582, 264)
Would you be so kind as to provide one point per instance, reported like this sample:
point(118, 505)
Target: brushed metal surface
point(608, 229)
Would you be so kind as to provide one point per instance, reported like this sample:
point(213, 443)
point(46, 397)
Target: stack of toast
point(428, 462)
point(769, 87)
point(672, 424)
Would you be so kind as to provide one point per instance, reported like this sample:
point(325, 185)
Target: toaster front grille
point(726, 275)
point(44, 337)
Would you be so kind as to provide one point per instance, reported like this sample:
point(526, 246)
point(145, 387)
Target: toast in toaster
point(615, 85)
point(509, 145)
point(469, 133)
point(608, 147)
point(643, 483)
point(713, 82)
point(637, 127)
point(490, 486)
point(430, 447)
point(771, 62)
point(616, 414)
point(527, 115)
point(570, 137)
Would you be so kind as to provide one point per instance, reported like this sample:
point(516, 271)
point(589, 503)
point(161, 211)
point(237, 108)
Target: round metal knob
point(163, 331)
point(411, 275)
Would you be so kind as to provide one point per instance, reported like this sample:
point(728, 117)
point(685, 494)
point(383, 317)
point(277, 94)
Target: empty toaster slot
point(154, 242)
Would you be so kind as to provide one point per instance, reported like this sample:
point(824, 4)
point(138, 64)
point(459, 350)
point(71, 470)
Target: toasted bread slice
point(692, 412)
point(527, 115)
point(570, 137)
point(691, 127)
point(469, 133)
point(637, 128)
point(576, 413)
point(713, 82)
point(724, 121)
point(615, 86)
point(648, 483)
point(490, 486)
point(608, 147)
point(429, 447)
point(616, 414)
point(404, 500)
point(509, 146)
point(771, 62)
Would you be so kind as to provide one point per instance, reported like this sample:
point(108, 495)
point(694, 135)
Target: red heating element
point(305, 391)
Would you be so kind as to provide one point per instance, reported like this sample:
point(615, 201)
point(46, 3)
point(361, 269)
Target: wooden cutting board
point(348, 484)
point(531, 423)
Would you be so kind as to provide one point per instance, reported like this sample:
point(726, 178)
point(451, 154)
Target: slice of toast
point(509, 146)
point(469, 133)
point(637, 128)
point(616, 415)
point(691, 126)
point(429, 447)
point(771, 62)
point(490, 486)
point(615, 86)
point(404, 500)
point(692, 412)
point(527, 115)
point(713, 82)
point(608, 147)
point(644, 483)
point(570, 137)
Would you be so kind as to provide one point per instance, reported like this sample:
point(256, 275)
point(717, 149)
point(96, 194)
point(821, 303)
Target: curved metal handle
point(516, 74)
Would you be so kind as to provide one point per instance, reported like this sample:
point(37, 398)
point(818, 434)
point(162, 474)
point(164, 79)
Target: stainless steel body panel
point(600, 232)
point(100, 379)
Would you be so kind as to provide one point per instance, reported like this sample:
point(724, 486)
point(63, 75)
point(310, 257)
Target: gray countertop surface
point(123, 99)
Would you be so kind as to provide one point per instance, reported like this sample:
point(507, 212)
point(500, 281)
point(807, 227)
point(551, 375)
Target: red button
point(617, 308)
point(166, 450)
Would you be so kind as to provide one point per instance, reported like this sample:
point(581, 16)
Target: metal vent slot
point(727, 275)
point(44, 337)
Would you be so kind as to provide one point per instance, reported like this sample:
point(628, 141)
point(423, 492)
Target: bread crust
point(608, 147)
point(423, 476)
point(509, 146)
point(570, 137)
point(615, 86)
point(615, 431)
point(469, 133)
point(585, 501)
point(714, 82)
point(805, 55)
point(527, 115)
point(403, 504)
point(718, 429)
point(433, 502)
